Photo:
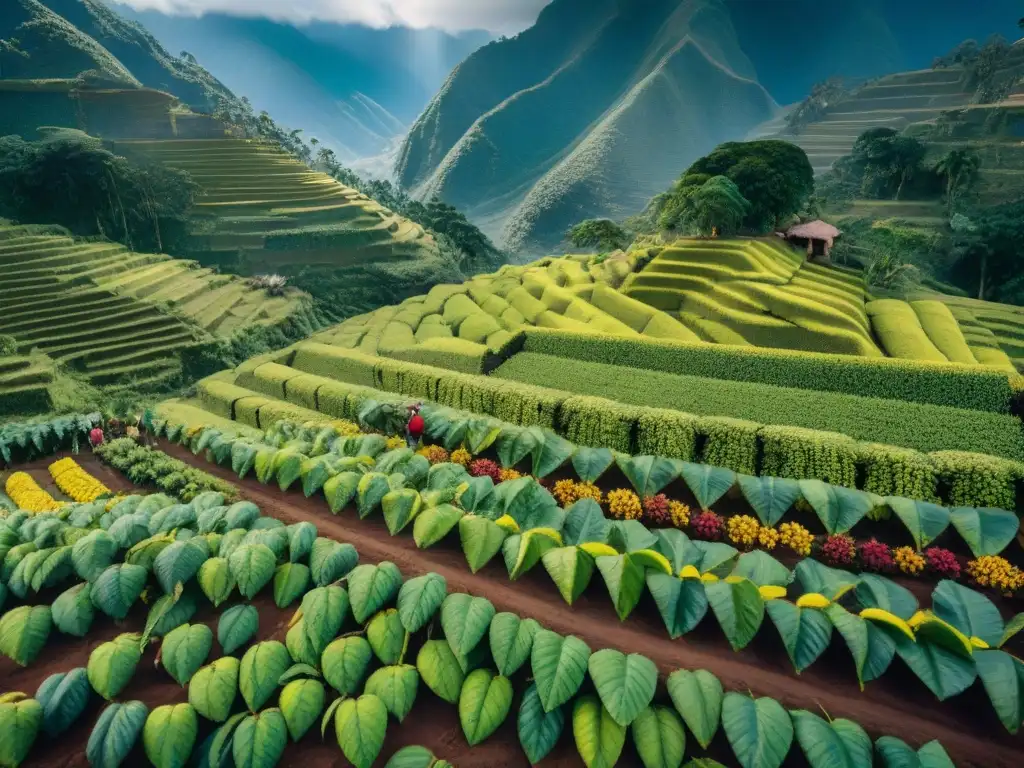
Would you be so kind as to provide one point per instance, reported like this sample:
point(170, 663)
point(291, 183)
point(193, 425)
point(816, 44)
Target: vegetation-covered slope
point(603, 106)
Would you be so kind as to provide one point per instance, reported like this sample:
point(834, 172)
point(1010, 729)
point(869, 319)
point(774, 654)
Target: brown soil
point(897, 705)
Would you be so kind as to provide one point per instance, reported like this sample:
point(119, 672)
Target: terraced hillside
point(995, 332)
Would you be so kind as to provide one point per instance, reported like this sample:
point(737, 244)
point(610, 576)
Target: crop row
point(363, 672)
point(520, 520)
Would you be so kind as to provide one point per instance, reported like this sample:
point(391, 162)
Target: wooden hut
point(816, 236)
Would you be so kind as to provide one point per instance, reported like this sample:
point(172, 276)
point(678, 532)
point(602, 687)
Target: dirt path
point(897, 705)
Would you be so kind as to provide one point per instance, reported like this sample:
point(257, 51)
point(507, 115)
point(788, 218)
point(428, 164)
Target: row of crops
point(688, 579)
point(346, 657)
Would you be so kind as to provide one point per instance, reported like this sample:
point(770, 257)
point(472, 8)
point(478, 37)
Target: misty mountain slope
point(638, 92)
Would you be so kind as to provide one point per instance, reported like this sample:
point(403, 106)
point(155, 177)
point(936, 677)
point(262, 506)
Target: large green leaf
point(412, 757)
point(559, 666)
point(481, 540)
point(712, 557)
point(340, 490)
point(986, 531)
point(625, 684)
point(476, 494)
point(539, 731)
point(169, 734)
point(770, 497)
point(440, 670)
point(550, 454)
point(530, 504)
point(465, 620)
point(400, 508)
point(213, 689)
point(371, 587)
point(944, 672)
point(287, 467)
point(253, 567)
point(290, 582)
point(237, 626)
point(396, 686)
point(484, 703)
point(570, 568)
point(682, 603)
point(872, 648)
point(739, 608)
point(345, 662)
point(762, 569)
point(112, 664)
point(300, 541)
point(969, 611)
point(895, 753)
point(599, 739)
point(1003, 678)
point(697, 696)
point(215, 580)
point(434, 523)
point(23, 633)
point(511, 641)
point(625, 578)
point(831, 744)
point(260, 739)
point(387, 636)
point(924, 520)
point(117, 588)
point(707, 483)
point(315, 472)
point(591, 463)
point(20, 719)
point(115, 734)
point(806, 632)
point(879, 592)
point(817, 577)
point(179, 562)
point(515, 444)
point(523, 551)
point(659, 737)
point(63, 697)
point(419, 599)
point(92, 553)
point(360, 725)
point(759, 730)
point(838, 508)
point(330, 560)
point(261, 668)
point(301, 703)
point(372, 488)
point(184, 650)
point(648, 474)
point(585, 522)
point(274, 537)
point(324, 610)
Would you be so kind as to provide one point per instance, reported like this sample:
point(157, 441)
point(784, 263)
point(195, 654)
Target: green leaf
point(838, 508)
point(806, 632)
point(275, 538)
point(648, 474)
point(217, 747)
point(261, 668)
point(1013, 626)
point(237, 626)
point(400, 508)
point(591, 463)
point(625, 581)
point(371, 587)
point(484, 703)
point(511, 641)
point(93, 553)
point(739, 608)
point(559, 667)
point(314, 472)
point(340, 490)
point(253, 566)
point(259, 740)
point(523, 551)
point(117, 588)
point(895, 753)
point(762, 569)
point(440, 670)
point(759, 730)
point(178, 563)
point(476, 494)
point(708, 483)
point(625, 684)
point(986, 531)
point(879, 592)
point(300, 541)
point(115, 734)
point(924, 521)
point(682, 603)
point(216, 581)
point(482, 434)
point(770, 497)
point(243, 458)
point(599, 739)
point(213, 688)
point(345, 662)
point(539, 731)
point(290, 582)
point(945, 673)
point(550, 454)
point(465, 620)
point(169, 734)
point(872, 648)
point(571, 569)
point(287, 467)
point(481, 540)
point(817, 577)
point(23, 633)
point(396, 686)
point(372, 488)
point(585, 522)
point(836, 744)
point(411, 757)
point(433, 524)
point(659, 737)
point(697, 696)
point(20, 720)
point(514, 445)
point(360, 725)
point(184, 650)
point(112, 664)
point(528, 503)
point(63, 697)
point(419, 599)
point(969, 611)
point(387, 636)
point(1003, 678)
point(324, 610)
point(301, 702)
point(330, 560)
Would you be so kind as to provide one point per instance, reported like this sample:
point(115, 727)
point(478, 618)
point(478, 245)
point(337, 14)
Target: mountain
point(598, 106)
point(65, 38)
point(354, 88)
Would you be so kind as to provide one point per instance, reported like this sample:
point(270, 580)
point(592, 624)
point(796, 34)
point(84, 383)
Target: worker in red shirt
point(95, 436)
point(414, 429)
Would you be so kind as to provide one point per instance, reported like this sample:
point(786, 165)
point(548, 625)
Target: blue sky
point(497, 16)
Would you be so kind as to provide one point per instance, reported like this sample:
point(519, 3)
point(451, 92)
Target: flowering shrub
point(482, 467)
point(349, 429)
point(767, 537)
point(623, 504)
point(394, 443)
point(510, 474)
point(589, 491)
point(26, 493)
point(876, 555)
point(435, 454)
point(75, 482)
point(997, 573)
point(656, 511)
point(144, 465)
point(908, 560)
point(679, 513)
point(708, 525)
point(943, 562)
point(461, 456)
point(565, 492)
point(839, 549)
point(743, 530)
point(796, 537)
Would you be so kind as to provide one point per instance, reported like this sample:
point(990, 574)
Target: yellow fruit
point(772, 592)
point(708, 577)
point(689, 572)
point(648, 558)
point(813, 600)
point(977, 642)
point(508, 523)
point(885, 617)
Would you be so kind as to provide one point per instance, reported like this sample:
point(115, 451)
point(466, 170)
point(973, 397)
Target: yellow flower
point(743, 530)
point(908, 560)
point(26, 493)
point(509, 474)
point(589, 491)
point(394, 443)
point(796, 537)
point(435, 454)
point(565, 493)
point(623, 504)
point(996, 572)
point(75, 482)
point(461, 456)
point(347, 428)
point(680, 514)
point(767, 537)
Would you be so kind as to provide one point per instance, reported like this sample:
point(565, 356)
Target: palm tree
point(960, 168)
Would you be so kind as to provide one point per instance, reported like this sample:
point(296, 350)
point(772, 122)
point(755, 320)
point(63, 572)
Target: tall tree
point(715, 206)
point(959, 167)
point(602, 234)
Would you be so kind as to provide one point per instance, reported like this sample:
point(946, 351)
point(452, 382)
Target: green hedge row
point(973, 388)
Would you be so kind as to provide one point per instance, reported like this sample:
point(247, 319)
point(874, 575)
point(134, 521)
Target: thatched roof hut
point(817, 236)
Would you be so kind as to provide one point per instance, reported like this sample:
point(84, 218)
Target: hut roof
point(814, 230)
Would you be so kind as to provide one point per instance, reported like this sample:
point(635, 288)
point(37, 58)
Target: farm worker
point(95, 436)
point(133, 432)
point(414, 429)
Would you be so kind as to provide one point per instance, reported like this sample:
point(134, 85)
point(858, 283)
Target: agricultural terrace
point(246, 586)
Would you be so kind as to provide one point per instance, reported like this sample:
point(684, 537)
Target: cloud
point(497, 16)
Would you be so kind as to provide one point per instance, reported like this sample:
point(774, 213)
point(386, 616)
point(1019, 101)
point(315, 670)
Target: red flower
point(839, 549)
point(876, 556)
point(707, 525)
point(481, 467)
point(656, 511)
point(95, 436)
point(943, 562)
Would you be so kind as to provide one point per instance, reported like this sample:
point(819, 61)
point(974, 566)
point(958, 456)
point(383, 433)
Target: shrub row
point(980, 389)
point(147, 466)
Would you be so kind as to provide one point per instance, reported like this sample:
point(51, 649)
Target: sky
point(501, 17)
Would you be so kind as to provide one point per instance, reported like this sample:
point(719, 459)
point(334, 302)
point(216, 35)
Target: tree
point(959, 167)
point(716, 205)
point(602, 234)
point(987, 254)
point(886, 160)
